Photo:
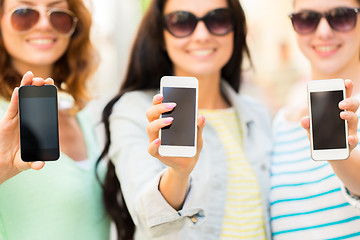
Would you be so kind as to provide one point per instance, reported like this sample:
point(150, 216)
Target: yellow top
point(243, 217)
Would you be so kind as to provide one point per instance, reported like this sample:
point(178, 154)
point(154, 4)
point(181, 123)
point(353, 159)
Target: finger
point(349, 87)
point(37, 81)
point(353, 141)
point(27, 78)
point(350, 104)
point(49, 81)
point(200, 126)
point(13, 106)
point(37, 165)
point(20, 164)
point(153, 148)
point(155, 111)
point(352, 120)
point(305, 123)
point(154, 127)
point(157, 99)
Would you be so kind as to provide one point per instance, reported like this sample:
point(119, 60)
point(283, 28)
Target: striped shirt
point(306, 198)
point(243, 218)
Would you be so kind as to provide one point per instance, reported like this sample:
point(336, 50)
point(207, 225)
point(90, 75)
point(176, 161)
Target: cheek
point(303, 43)
point(173, 46)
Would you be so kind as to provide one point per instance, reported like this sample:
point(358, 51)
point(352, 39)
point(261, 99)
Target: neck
point(43, 71)
point(210, 96)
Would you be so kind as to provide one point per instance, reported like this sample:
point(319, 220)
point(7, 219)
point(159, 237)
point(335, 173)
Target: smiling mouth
point(41, 41)
point(202, 53)
point(326, 49)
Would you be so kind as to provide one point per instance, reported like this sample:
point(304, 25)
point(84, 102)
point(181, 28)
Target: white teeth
point(41, 41)
point(325, 48)
point(202, 52)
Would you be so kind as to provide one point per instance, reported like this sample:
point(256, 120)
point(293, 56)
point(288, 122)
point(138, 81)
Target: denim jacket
point(202, 213)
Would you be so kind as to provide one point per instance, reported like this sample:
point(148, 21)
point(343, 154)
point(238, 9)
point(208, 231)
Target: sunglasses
point(340, 19)
point(181, 24)
point(62, 20)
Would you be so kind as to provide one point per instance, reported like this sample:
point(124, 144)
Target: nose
point(44, 21)
point(323, 29)
point(201, 33)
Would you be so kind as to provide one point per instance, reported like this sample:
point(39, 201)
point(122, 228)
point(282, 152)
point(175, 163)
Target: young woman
point(64, 199)
point(226, 183)
point(308, 198)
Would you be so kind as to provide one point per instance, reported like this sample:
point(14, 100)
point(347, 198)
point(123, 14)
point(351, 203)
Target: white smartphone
point(328, 132)
point(179, 139)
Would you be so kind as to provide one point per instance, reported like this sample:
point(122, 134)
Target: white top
point(306, 197)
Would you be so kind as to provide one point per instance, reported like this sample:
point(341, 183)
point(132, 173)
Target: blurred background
point(278, 64)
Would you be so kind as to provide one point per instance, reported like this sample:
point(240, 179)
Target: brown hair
point(71, 71)
point(144, 73)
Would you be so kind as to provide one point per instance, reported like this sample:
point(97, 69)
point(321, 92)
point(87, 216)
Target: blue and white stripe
point(306, 198)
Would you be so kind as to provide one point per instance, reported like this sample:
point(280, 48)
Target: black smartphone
point(38, 119)
point(179, 138)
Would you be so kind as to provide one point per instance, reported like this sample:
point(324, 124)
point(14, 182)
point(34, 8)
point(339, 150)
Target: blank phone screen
point(182, 130)
point(38, 122)
point(328, 128)
point(39, 134)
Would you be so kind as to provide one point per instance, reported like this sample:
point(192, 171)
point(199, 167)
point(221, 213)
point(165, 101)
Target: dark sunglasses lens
point(24, 18)
point(305, 22)
point(62, 21)
point(342, 19)
point(219, 22)
point(180, 24)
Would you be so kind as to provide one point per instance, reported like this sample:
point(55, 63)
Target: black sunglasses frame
point(203, 19)
point(328, 15)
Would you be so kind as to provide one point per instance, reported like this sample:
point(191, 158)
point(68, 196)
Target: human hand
point(350, 106)
point(180, 165)
point(10, 160)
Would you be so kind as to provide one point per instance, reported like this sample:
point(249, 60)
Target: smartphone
point(328, 132)
point(179, 139)
point(38, 120)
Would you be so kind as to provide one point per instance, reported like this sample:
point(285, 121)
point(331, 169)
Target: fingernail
point(170, 105)
point(342, 104)
point(157, 141)
point(158, 97)
point(168, 119)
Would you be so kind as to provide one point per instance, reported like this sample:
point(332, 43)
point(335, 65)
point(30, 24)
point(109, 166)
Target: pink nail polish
point(170, 105)
point(168, 119)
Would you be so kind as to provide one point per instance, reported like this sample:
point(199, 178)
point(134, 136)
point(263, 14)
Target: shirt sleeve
point(139, 173)
point(352, 199)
